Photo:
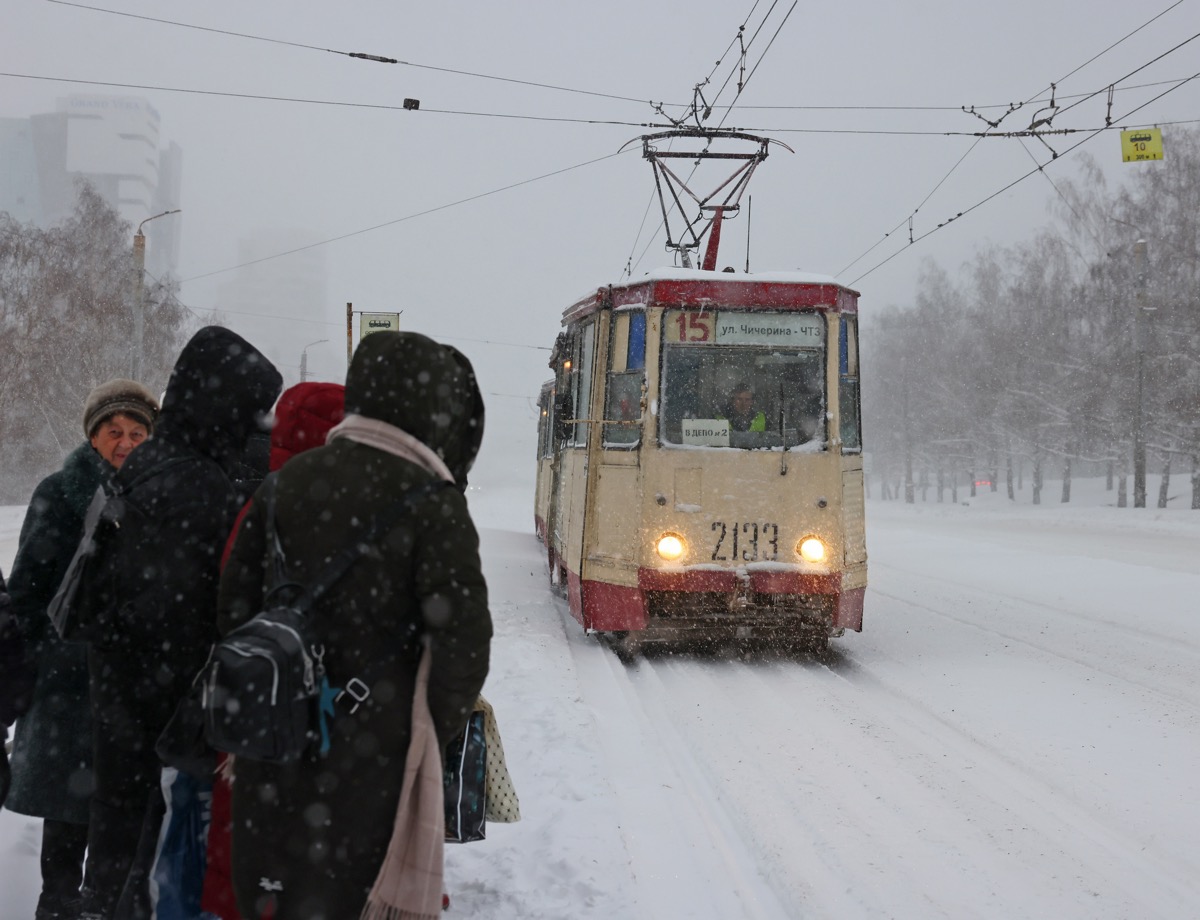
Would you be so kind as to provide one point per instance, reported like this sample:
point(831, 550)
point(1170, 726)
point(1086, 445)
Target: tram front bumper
point(701, 604)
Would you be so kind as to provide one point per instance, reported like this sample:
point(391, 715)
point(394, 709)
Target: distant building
point(113, 142)
point(279, 302)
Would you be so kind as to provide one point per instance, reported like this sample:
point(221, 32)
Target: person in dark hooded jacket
point(303, 417)
point(310, 837)
point(151, 593)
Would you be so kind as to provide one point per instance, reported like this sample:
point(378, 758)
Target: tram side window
point(623, 396)
point(581, 383)
point(546, 424)
point(848, 391)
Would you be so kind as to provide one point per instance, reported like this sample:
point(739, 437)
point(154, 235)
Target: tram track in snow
point(959, 799)
point(804, 774)
point(1138, 634)
point(637, 739)
point(1181, 689)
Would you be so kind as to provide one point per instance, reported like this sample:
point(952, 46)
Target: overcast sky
point(500, 269)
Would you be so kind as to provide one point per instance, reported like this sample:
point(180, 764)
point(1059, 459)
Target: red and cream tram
point(700, 472)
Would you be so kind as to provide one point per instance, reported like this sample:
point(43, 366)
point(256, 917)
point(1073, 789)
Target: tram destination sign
point(797, 330)
point(706, 432)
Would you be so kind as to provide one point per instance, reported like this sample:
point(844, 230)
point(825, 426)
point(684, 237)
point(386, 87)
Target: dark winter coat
point(52, 745)
point(155, 585)
point(303, 417)
point(318, 829)
point(16, 680)
point(16, 668)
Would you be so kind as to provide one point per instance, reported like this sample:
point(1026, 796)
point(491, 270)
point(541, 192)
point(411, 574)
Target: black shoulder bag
point(261, 687)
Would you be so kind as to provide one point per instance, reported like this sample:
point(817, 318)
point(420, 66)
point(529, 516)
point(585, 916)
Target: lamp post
point(304, 358)
point(139, 306)
point(1139, 418)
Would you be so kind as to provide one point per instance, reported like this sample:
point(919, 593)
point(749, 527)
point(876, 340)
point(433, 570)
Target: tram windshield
point(742, 379)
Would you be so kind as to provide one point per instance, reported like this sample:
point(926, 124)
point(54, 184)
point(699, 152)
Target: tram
point(700, 474)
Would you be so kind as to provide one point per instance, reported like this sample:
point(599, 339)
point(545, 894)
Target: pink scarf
point(381, 435)
point(409, 884)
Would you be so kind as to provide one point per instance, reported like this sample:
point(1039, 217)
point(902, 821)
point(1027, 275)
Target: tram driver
point(740, 410)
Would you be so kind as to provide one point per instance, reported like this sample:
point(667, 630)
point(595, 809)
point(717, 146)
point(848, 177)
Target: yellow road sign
point(1142, 144)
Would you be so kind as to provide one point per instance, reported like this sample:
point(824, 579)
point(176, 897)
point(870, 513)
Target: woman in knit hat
point(117, 417)
point(52, 748)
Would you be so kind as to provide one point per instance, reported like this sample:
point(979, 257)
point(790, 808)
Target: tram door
point(850, 439)
point(612, 538)
point(570, 500)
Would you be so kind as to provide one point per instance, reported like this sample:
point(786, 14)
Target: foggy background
point(869, 96)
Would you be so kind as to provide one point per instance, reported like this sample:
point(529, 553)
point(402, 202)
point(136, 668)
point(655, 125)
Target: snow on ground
point(1016, 734)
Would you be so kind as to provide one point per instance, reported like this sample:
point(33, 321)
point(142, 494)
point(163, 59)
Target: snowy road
point(1016, 734)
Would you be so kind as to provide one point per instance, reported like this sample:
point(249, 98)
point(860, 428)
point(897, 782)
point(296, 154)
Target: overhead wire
point(629, 263)
point(353, 54)
point(754, 70)
point(407, 217)
point(741, 87)
point(323, 322)
point(588, 93)
point(960, 160)
point(1066, 201)
point(1130, 74)
point(543, 118)
point(1022, 178)
point(328, 102)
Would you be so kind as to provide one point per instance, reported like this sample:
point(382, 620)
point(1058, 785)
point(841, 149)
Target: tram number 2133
point(745, 541)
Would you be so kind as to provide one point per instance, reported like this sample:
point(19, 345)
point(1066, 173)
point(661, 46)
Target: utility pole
point(139, 306)
point(139, 288)
point(1139, 414)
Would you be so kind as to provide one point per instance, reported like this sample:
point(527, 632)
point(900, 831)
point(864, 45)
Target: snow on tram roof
point(754, 290)
point(695, 274)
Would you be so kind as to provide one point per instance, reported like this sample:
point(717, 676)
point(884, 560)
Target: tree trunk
point(954, 485)
point(909, 496)
point(1037, 479)
point(1008, 477)
point(1196, 482)
point(1164, 486)
point(1066, 490)
point(941, 485)
point(971, 478)
point(1122, 491)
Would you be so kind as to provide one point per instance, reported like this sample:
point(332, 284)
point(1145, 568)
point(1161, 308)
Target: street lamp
point(139, 307)
point(304, 358)
point(1139, 417)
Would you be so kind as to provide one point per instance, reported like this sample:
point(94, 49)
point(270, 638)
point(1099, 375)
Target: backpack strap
point(277, 577)
point(342, 561)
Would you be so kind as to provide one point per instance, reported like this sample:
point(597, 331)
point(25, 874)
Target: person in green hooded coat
point(310, 837)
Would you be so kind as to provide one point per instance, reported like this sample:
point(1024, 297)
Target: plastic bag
point(464, 783)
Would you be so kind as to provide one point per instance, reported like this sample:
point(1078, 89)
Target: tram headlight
point(811, 549)
point(670, 546)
